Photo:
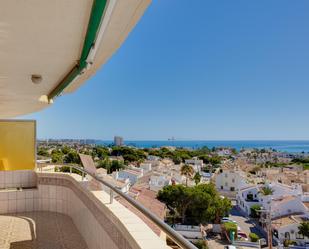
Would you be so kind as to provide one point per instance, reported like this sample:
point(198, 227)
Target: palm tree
point(304, 228)
point(267, 190)
point(187, 171)
point(197, 178)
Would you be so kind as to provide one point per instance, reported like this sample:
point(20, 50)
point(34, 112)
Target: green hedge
point(230, 226)
point(254, 237)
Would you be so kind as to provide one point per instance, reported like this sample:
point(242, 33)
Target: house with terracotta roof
point(286, 228)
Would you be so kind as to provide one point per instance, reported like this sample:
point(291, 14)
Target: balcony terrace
point(59, 210)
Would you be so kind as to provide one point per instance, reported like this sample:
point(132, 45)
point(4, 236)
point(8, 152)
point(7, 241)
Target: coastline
point(290, 146)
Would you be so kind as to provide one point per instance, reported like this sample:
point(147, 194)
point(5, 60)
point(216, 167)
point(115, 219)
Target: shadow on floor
point(39, 230)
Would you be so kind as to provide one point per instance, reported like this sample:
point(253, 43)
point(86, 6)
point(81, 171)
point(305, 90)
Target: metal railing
point(170, 232)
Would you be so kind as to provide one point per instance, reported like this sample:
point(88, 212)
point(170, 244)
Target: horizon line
point(180, 140)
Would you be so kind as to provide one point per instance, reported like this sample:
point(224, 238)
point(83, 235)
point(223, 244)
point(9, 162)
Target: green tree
point(111, 165)
point(187, 171)
point(56, 156)
point(129, 154)
point(100, 152)
point(71, 157)
point(116, 165)
point(105, 164)
point(65, 149)
point(199, 204)
point(43, 152)
point(197, 178)
point(304, 229)
point(177, 198)
point(254, 210)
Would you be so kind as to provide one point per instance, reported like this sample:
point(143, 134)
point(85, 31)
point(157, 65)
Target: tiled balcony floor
point(39, 230)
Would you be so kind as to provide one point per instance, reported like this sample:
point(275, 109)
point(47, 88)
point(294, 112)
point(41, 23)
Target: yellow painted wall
point(17, 144)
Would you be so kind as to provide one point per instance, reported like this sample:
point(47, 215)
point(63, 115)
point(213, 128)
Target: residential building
point(118, 141)
point(231, 180)
point(146, 167)
point(251, 195)
point(286, 228)
point(195, 163)
point(166, 163)
point(132, 174)
point(153, 158)
point(157, 182)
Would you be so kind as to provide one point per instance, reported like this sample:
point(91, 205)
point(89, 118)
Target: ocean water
point(284, 146)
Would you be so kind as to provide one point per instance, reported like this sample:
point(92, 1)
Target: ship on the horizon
point(171, 139)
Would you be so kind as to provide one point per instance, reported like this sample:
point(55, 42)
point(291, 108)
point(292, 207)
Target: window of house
point(233, 180)
point(287, 235)
point(225, 184)
point(221, 187)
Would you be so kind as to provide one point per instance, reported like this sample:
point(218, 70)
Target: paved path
point(244, 223)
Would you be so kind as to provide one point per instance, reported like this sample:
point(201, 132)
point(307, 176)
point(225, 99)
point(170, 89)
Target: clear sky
point(202, 69)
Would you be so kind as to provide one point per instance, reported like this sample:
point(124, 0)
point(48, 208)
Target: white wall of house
point(291, 232)
point(156, 183)
point(195, 163)
point(133, 176)
point(279, 191)
point(190, 232)
point(230, 180)
point(146, 167)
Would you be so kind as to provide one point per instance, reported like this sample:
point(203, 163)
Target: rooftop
point(288, 220)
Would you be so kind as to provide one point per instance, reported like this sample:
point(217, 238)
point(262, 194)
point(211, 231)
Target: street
point(244, 223)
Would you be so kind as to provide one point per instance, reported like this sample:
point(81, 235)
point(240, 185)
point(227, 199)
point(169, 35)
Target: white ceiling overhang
point(43, 37)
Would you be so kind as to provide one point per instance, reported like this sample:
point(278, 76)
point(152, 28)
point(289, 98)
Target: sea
point(282, 145)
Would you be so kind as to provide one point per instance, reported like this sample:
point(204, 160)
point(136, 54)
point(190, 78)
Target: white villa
point(195, 163)
point(132, 174)
point(157, 182)
point(248, 196)
point(287, 208)
point(231, 180)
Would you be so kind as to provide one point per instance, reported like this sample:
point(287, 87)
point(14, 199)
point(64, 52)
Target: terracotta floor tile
point(39, 230)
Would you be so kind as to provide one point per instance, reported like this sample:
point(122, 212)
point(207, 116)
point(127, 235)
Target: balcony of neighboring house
point(251, 198)
point(41, 208)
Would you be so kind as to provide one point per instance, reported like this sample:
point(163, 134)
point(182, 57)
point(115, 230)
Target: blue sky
point(198, 70)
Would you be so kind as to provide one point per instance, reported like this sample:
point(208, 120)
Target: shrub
point(288, 243)
point(254, 237)
point(230, 227)
point(254, 211)
point(200, 244)
point(255, 170)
